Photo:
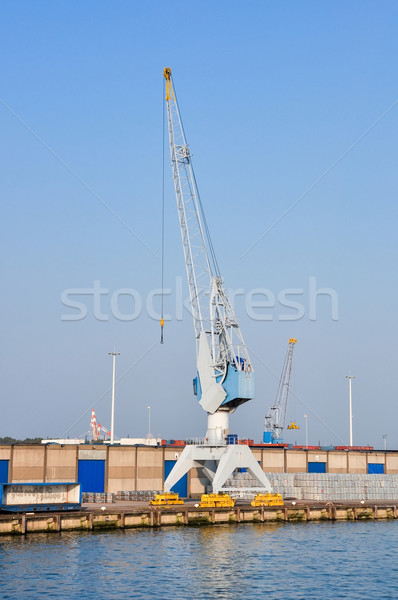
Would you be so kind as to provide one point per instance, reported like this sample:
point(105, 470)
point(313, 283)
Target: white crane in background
point(225, 376)
point(96, 428)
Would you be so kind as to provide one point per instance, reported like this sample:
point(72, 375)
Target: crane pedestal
point(218, 463)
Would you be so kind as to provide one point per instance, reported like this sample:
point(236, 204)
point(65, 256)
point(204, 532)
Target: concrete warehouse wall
point(391, 463)
point(296, 462)
point(61, 464)
point(273, 461)
point(142, 468)
point(122, 471)
point(337, 462)
point(5, 452)
point(137, 468)
point(28, 463)
point(150, 469)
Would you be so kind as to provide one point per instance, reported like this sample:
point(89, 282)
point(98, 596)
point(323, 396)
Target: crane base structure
point(217, 463)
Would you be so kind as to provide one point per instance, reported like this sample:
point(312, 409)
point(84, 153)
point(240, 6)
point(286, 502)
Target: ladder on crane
point(275, 418)
point(225, 376)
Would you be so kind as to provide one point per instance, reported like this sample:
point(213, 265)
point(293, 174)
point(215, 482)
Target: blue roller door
point(4, 471)
point(91, 475)
point(181, 487)
point(374, 468)
point(316, 467)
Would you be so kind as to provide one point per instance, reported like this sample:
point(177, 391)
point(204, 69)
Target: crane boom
point(198, 265)
point(225, 377)
point(275, 418)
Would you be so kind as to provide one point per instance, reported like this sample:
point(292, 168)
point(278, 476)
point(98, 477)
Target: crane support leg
point(239, 457)
point(218, 463)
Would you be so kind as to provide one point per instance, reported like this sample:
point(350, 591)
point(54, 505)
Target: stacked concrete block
point(98, 497)
point(335, 487)
point(281, 483)
point(241, 480)
point(284, 483)
point(137, 495)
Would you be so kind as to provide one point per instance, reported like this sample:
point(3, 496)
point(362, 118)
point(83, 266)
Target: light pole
point(385, 441)
point(149, 422)
point(306, 431)
point(350, 378)
point(114, 355)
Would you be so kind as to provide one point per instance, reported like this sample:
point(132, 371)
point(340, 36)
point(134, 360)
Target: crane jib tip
point(161, 330)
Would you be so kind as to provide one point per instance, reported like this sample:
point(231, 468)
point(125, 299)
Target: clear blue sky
point(272, 94)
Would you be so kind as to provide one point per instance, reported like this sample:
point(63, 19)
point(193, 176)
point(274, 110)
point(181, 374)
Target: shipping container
point(232, 438)
point(354, 447)
point(22, 497)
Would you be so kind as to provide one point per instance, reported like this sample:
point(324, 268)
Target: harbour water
point(352, 560)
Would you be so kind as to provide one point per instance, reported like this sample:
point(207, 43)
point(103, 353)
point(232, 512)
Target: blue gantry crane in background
point(275, 418)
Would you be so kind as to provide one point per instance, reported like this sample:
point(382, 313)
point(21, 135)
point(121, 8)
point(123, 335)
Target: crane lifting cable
point(162, 236)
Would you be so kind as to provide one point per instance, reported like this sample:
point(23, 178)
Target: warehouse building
point(112, 469)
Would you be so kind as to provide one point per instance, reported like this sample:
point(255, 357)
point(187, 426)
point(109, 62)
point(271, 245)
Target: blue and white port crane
point(275, 418)
point(225, 375)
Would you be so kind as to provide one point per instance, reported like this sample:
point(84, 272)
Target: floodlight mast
point(225, 377)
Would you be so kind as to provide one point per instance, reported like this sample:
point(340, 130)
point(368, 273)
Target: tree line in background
point(10, 440)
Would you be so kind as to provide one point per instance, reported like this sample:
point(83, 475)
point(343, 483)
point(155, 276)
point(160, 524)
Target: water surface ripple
point(227, 562)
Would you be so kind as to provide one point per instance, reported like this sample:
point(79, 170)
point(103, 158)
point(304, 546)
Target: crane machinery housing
point(225, 375)
point(275, 418)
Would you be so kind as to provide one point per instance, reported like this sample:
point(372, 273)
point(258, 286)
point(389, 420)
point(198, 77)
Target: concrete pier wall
point(92, 520)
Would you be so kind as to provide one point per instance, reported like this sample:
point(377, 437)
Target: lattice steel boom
point(225, 376)
point(275, 418)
